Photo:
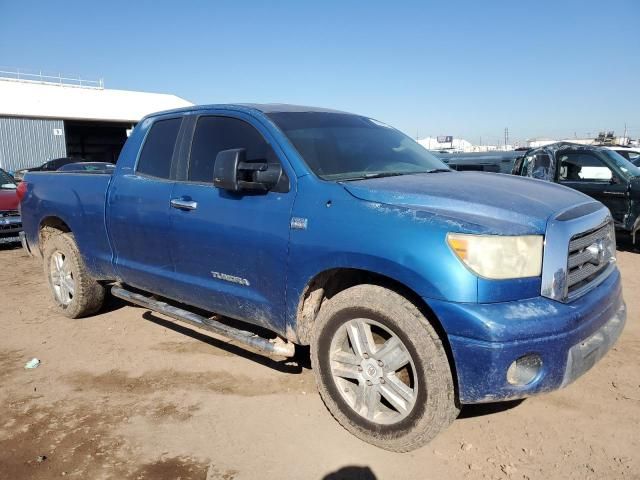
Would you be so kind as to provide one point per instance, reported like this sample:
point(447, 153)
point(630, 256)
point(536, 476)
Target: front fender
point(345, 232)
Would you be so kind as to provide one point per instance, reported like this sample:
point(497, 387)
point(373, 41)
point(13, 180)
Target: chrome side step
point(278, 347)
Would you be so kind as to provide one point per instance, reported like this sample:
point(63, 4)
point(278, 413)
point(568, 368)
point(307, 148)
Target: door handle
point(182, 204)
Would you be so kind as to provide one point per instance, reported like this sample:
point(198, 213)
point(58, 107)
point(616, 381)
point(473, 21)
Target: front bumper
point(569, 338)
point(10, 228)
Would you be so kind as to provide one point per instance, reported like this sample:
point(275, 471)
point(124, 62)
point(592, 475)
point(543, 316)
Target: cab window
point(583, 167)
point(157, 151)
point(537, 165)
point(215, 134)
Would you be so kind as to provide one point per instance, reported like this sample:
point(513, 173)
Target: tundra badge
point(230, 278)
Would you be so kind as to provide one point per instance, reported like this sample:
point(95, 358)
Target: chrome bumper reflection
point(587, 353)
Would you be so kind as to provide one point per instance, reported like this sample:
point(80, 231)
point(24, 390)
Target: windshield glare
point(622, 163)
point(341, 146)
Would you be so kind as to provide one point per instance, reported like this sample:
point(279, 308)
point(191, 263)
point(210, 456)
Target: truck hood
point(475, 201)
point(8, 200)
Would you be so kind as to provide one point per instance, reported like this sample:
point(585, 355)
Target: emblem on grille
point(597, 251)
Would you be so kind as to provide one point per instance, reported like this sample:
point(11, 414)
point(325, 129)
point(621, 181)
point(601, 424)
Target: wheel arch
point(50, 226)
point(328, 283)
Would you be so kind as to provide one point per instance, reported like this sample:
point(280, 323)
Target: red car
point(10, 221)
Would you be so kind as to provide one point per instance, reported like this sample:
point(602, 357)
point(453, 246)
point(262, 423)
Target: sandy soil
point(128, 395)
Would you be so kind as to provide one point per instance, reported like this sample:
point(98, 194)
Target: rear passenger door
point(230, 249)
point(138, 211)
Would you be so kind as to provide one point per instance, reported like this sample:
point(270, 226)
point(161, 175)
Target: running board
point(277, 347)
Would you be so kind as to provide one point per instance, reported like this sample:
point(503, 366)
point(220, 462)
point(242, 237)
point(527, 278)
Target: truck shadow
point(351, 472)
point(624, 244)
point(10, 246)
point(294, 365)
point(482, 409)
point(112, 304)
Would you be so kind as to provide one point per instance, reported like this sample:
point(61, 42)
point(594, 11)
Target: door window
point(157, 152)
point(583, 167)
point(214, 134)
point(537, 165)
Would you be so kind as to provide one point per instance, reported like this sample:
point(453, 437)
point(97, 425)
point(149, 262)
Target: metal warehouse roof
point(45, 100)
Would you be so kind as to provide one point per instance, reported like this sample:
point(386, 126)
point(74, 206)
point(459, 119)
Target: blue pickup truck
point(418, 288)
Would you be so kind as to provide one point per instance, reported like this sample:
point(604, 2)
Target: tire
point(75, 293)
point(363, 392)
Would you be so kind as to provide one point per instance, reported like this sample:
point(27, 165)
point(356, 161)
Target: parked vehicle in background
point(495, 162)
point(598, 172)
point(88, 167)
point(630, 153)
point(49, 166)
point(10, 222)
point(418, 288)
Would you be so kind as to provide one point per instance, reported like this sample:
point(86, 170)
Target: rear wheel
point(381, 368)
point(75, 293)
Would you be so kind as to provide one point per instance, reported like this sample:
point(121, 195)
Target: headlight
point(499, 257)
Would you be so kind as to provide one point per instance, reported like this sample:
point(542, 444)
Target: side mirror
point(614, 180)
point(232, 172)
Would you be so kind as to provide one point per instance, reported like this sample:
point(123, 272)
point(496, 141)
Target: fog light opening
point(524, 370)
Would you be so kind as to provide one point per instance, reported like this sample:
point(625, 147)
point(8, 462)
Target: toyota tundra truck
point(418, 289)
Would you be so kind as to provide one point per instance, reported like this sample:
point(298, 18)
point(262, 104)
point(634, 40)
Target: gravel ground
point(129, 395)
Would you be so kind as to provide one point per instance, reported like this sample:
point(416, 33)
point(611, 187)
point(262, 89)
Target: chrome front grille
point(590, 253)
point(572, 262)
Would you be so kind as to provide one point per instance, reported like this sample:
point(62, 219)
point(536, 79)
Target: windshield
point(624, 165)
point(6, 180)
point(341, 146)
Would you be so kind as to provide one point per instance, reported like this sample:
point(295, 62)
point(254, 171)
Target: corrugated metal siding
point(29, 142)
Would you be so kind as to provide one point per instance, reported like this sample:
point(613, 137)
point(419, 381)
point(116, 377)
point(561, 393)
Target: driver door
point(230, 249)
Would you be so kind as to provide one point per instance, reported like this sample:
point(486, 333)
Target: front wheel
point(381, 369)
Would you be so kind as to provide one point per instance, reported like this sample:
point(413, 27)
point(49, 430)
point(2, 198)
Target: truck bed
point(79, 199)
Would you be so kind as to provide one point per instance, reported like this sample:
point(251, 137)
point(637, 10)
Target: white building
point(459, 145)
point(456, 145)
point(42, 118)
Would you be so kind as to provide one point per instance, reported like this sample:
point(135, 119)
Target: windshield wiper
point(367, 176)
point(376, 175)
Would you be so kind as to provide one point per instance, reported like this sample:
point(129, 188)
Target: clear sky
point(462, 68)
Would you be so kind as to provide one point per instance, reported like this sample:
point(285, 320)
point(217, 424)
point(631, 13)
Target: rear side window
point(214, 134)
point(157, 152)
point(537, 165)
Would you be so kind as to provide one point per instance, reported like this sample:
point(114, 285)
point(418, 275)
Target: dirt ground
point(129, 395)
